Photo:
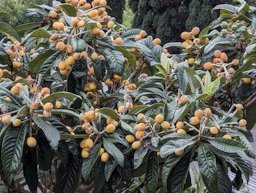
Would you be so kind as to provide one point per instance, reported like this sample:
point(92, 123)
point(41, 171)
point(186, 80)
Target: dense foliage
point(89, 105)
point(167, 19)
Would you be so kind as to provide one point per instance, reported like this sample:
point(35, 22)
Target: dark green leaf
point(60, 95)
point(7, 30)
point(51, 133)
point(115, 60)
point(89, 162)
point(151, 178)
point(139, 155)
point(30, 169)
point(49, 63)
point(12, 148)
point(114, 151)
point(4, 58)
point(225, 185)
point(208, 168)
point(27, 26)
point(109, 112)
point(227, 145)
point(68, 176)
point(69, 9)
point(35, 64)
point(169, 164)
point(40, 33)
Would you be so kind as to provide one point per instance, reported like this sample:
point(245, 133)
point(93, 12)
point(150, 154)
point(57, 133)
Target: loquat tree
point(90, 106)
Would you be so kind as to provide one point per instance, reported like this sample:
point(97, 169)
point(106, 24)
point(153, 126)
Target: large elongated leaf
point(109, 112)
point(51, 133)
point(69, 9)
point(173, 145)
point(139, 155)
point(227, 145)
point(35, 64)
point(169, 164)
point(151, 178)
point(60, 95)
point(68, 176)
point(89, 162)
point(12, 148)
point(27, 26)
point(7, 30)
point(179, 174)
point(40, 33)
point(78, 44)
point(114, 151)
point(208, 168)
point(30, 169)
point(225, 184)
point(115, 60)
point(48, 63)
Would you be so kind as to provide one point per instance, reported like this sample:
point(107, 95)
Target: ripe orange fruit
point(217, 53)
point(48, 107)
point(181, 131)
point(89, 143)
point(191, 61)
point(31, 142)
point(140, 127)
point(194, 120)
point(121, 109)
point(207, 112)
point(46, 114)
point(246, 80)
point(208, 66)
point(61, 46)
point(186, 36)
point(235, 62)
point(137, 38)
point(69, 49)
point(231, 70)
point(118, 41)
point(227, 136)
point(143, 34)
point(87, 6)
point(214, 130)
point(110, 128)
point(6, 119)
point(239, 106)
point(242, 122)
point(195, 31)
point(93, 13)
point(81, 24)
point(224, 57)
point(102, 150)
point(157, 41)
point(165, 125)
point(136, 145)
point(139, 134)
point(104, 157)
point(62, 65)
point(53, 14)
point(159, 118)
point(16, 122)
point(85, 153)
point(132, 86)
point(45, 91)
point(15, 90)
point(16, 64)
point(183, 100)
point(110, 24)
point(94, 56)
point(199, 114)
point(130, 138)
point(179, 152)
point(83, 55)
point(179, 125)
point(215, 60)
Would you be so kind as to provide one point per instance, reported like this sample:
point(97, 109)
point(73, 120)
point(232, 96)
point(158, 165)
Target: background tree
point(18, 10)
point(165, 19)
